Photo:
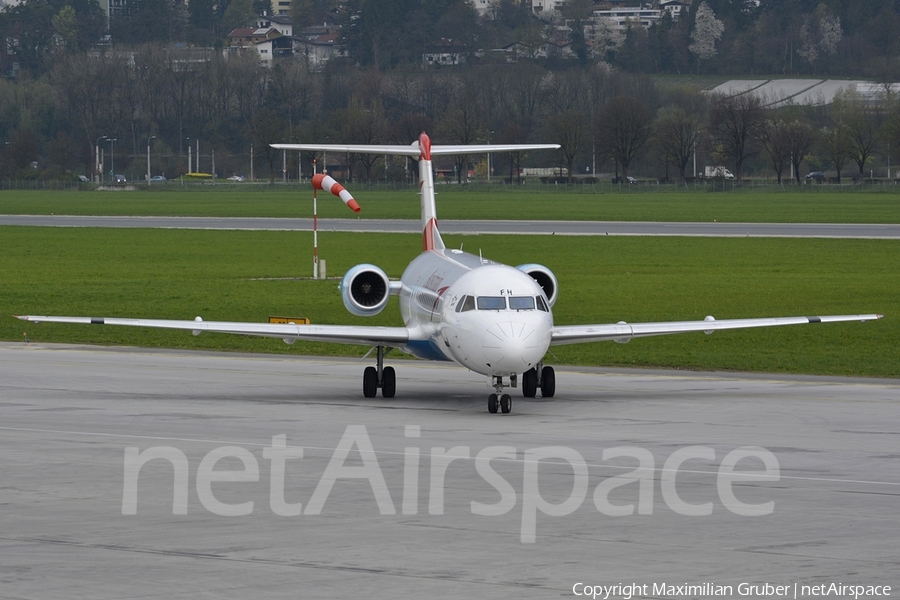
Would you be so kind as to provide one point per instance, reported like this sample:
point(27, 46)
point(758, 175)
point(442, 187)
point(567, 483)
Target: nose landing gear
point(500, 400)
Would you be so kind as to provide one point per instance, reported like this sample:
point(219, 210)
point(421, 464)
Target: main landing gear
point(539, 377)
point(380, 377)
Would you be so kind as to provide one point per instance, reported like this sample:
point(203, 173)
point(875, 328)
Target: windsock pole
point(315, 238)
point(327, 183)
point(315, 229)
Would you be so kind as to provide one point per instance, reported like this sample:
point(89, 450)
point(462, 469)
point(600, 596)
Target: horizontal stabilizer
point(414, 150)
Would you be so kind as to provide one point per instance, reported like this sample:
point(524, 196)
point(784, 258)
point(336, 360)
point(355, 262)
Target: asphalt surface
point(821, 230)
point(70, 416)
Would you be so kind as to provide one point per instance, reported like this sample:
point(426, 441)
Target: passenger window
point(521, 303)
point(491, 302)
point(467, 303)
point(541, 304)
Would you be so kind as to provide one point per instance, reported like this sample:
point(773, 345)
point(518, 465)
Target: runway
point(593, 228)
point(546, 471)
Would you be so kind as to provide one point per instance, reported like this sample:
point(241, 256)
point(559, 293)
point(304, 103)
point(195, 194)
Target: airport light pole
point(99, 165)
point(112, 157)
point(152, 137)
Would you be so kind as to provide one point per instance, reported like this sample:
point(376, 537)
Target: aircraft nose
point(512, 347)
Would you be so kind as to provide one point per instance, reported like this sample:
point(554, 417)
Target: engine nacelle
point(545, 278)
point(365, 290)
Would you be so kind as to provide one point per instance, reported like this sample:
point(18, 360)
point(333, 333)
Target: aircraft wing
point(622, 332)
point(341, 334)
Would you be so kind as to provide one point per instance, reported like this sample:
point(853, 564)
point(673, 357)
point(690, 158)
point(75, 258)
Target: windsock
point(321, 181)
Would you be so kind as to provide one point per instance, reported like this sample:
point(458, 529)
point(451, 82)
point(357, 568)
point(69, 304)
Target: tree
point(265, 129)
point(801, 139)
point(835, 146)
point(734, 122)
point(862, 125)
point(238, 14)
point(678, 135)
point(461, 126)
point(707, 31)
point(624, 124)
point(605, 39)
point(774, 138)
point(568, 130)
point(819, 36)
point(36, 30)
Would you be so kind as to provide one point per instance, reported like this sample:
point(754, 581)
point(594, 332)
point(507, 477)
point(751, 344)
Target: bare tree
point(569, 131)
point(801, 138)
point(834, 143)
point(624, 124)
point(861, 123)
point(774, 138)
point(735, 121)
point(461, 125)
point(678, 135)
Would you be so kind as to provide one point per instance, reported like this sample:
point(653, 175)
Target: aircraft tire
point(529, 383)
point(548, 382)
point(389, 382)
point(492, 403)
point(370, 382)
point(505, 403)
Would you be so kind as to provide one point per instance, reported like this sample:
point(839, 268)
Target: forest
point(620, 113)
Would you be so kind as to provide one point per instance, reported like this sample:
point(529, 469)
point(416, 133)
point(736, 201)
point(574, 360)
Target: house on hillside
point(267, 42)
point(317, 45)
point(547, 49)
point(675, 8)
point(282, 23)
point(445, 52)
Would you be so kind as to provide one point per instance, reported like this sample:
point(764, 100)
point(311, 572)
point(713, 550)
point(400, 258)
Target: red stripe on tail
point(428, 235)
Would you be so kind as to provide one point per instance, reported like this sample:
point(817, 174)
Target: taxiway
point(68, 415)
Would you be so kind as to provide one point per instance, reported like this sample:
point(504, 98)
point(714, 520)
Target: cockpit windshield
point(521, 302)
point(467, 303)
point(491, 302)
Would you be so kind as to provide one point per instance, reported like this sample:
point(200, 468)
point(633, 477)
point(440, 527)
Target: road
point(811, 230)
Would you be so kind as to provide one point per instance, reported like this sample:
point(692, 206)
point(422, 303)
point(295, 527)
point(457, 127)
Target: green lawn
point(249, 275)
point(638, 203)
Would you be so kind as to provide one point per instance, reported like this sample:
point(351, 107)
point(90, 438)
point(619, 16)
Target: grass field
point(247, 276)
point(476, 203)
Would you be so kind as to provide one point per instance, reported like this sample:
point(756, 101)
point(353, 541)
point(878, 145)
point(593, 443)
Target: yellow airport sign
point(289, 320)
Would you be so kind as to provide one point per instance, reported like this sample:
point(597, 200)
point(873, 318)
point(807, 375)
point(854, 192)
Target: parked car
point(83, 179)
point(158, 178)
point(119, 178)
point(629, 180)
point(816, 175)
point(236, 178)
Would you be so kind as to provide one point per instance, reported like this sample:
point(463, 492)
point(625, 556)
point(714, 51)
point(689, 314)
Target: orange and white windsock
point(321, 181)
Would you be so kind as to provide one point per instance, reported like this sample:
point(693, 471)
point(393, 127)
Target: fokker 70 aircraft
point(494, 319)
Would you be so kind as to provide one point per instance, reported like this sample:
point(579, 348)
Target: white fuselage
point(491, 318)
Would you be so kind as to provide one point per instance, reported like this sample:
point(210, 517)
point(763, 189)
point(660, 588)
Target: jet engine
point(365, 290)
point(545, 278)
